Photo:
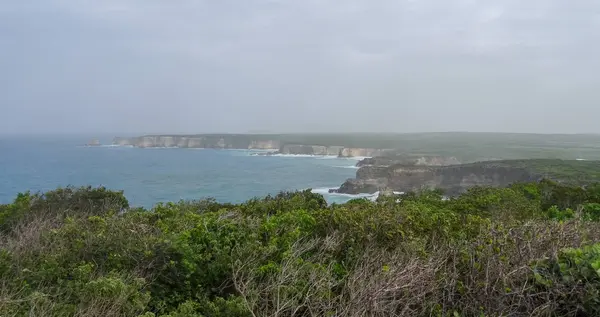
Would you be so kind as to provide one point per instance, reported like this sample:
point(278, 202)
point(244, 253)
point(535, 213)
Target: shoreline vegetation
point(528, 249)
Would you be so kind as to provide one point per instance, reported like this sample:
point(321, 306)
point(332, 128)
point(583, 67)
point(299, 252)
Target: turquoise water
point(148, 176)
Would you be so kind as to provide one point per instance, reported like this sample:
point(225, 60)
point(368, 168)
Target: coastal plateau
point(455, 179)
point(255, 142)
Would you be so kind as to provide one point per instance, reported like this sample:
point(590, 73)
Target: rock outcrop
point(94, 142)
point(453, 179)
point(206, 141)
point(264, 145)
point(363, 152)
point(409, 160)
point(310, 149)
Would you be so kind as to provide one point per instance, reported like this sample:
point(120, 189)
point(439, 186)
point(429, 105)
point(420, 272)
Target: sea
point(152, 175)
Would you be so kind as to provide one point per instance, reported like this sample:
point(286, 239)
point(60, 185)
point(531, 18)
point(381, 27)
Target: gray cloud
point(144, 66)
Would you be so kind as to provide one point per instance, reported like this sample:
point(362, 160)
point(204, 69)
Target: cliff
point(420, 160)
point(200, 141)
point(94, 142)
point(363, 152)
point(310, 149)
point(262, 142)
point(456, 179)
point(466, 147)
point(330, 150)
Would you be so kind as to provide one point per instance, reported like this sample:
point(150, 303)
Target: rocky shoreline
point(452, 180)
point(385, 169)
point(456, 179)
point(408, 160)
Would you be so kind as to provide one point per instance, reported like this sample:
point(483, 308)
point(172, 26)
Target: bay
point(152, 175)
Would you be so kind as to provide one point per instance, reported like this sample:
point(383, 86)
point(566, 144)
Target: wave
point(163, 148)
point(262, 150)
point(106, 146)
point(356, 158)
point(325, 192)
point(342, 198)
point(319, 157)
point(247, 150)
point(354, 167)
point(296, 155)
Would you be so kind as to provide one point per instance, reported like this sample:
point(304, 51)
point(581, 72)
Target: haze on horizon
point(192, 66)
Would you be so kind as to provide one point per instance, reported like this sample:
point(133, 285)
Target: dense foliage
point(568, 171)
point(527, 250)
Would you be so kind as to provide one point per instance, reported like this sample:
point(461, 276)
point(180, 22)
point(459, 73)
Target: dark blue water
point(156, 175)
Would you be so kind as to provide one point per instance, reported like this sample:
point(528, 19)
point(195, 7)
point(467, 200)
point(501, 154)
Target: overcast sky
point(186, 66)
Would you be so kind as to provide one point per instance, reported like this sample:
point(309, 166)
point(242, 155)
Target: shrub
point(489, 252)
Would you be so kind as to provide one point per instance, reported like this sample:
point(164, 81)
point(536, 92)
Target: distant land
point(453, 161)
point(466, 146)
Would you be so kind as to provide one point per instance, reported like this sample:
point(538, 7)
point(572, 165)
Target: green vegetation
point(564, 170)
point(530, 249)
point(569, 171)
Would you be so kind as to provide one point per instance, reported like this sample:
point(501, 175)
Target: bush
point(571, 280)
point(591, 212)
point(491, 251)
point(61, 203)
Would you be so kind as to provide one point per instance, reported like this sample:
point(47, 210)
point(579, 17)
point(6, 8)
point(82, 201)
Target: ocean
point(152, 175)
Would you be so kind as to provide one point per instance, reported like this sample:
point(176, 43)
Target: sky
point(198, 66)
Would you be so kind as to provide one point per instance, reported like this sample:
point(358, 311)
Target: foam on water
point(104, 146)
point(341, 197)
point(319, 157)
point(348, 166)
point(160, 148)
point(296, 155)
point(356, 158)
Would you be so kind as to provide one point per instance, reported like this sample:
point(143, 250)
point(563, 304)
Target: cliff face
point(311, 149)
point(244, 142)
point(409, 160)
point(122, 141)
point(264, 145)
point(366, 152)
point(198, 142)
point(94, 142)
point(453, 179)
